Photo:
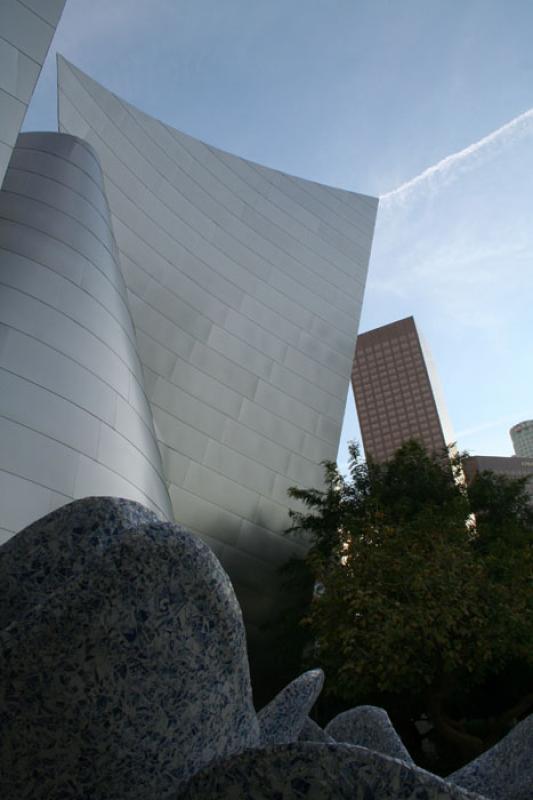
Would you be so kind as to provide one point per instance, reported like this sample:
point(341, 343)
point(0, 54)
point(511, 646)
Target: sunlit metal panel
point(245, 286)
point(26, 30)
point(74, 417)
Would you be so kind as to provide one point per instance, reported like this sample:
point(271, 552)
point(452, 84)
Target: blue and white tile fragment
point(125, 676)
point(282, 720)
point(312, 732)
point(131, 673)
point(369, 727)
point(47, 554)
point(311, 771)
point(505, 772)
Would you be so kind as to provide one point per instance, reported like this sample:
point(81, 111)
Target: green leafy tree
point(421, 592)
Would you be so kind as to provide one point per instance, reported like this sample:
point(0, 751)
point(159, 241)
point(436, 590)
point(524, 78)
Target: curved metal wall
point(74, 418)
point(245, 286)
point(26, 30)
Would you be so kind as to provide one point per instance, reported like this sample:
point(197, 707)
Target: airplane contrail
point(518, 124)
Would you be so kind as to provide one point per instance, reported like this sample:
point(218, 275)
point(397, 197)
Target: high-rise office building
point(397, 392)
point(522, 438)
point(26, 30)
point(177, 327)
point(510, 466)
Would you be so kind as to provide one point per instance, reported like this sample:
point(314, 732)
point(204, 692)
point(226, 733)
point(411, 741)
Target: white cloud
point(518, 126)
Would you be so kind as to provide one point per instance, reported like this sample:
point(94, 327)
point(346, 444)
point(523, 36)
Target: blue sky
point(366, 95)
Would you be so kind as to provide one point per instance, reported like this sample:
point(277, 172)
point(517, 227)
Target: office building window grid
point(393, 391)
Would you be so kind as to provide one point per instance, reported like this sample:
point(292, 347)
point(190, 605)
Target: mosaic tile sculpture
point(311, 732)
point(53, 550)
point(368, 726)
point(505, 772)
point(125, 676)
point(310, 771)
point(130, 676)
point(282, 720)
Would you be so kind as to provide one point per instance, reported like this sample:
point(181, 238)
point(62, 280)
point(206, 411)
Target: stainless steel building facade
point(26, 30)
point(74, 418)
point(177, 328)
point(245, 287)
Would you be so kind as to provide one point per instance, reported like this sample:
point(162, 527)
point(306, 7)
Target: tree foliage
point(423, 588)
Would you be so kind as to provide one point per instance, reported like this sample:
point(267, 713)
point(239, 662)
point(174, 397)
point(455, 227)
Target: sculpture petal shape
point(505, 772)
point(41, 558)
point(128, 679)
point(311, 732)
point(318, 772)
point(368, 726)
point(282, 720)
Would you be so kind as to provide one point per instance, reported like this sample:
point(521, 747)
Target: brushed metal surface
point(26, 30)
point(74, 418)
point(245, 287)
